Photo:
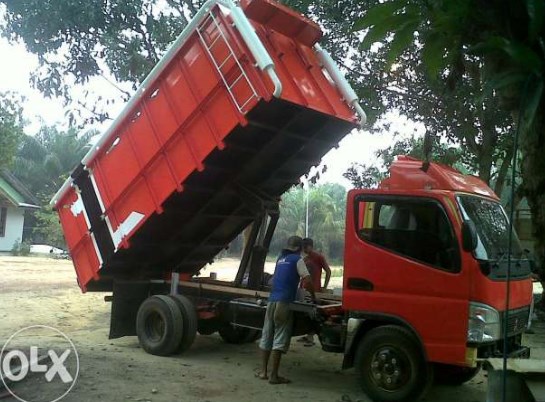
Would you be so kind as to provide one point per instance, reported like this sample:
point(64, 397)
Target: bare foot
point(279, 380)
point(261, 375)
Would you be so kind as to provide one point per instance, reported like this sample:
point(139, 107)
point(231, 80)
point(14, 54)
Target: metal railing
point(221, 39)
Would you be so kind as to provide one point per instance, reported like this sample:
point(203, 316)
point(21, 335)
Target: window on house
point(414, 227)
point(3, 216)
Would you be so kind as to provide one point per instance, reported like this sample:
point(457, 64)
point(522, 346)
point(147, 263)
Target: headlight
point(484, 323)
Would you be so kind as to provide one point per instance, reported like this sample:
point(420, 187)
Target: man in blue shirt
point(275, 339)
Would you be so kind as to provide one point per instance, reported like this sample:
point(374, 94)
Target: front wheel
point(391, 366)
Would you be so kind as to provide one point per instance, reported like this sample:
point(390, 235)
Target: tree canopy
point(327, 204)
point(385, 67)
point(45, 160)
point(11, 126)
point(42, 162)
point(363, 175)
point(506, 38)
point(119, 40)
point(122, 40)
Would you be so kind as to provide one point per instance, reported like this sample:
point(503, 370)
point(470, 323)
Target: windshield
point(492, 227)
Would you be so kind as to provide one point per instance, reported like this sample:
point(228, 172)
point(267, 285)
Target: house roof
point(12, 190)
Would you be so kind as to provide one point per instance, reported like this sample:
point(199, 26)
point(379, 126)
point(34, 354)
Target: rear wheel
point(190, 322)
point(391, 366)
point(447, 374)
point(159, 325)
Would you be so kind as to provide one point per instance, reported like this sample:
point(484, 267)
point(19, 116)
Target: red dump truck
point(243, 104)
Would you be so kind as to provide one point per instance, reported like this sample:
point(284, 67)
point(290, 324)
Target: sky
point(358, 146)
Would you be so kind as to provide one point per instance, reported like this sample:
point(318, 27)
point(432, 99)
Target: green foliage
point(327, 203)
point(43, 162)
point(48, 228)
point(20, 248)
point(336, 272)
point(385, 58)
point(11, 126)
point(506, 36)
point(364, 176)
point(536, 14)
point(77, 40)
point(504, 41)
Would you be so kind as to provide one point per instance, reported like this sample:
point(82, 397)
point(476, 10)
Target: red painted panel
point(200, 70)
point(74, 227)
point(143, 138)
point(180, 97)
point(200, 136)
point(161, 113)
point(181, 158)
point(434, 302)
point(118, 167)
point(222, 114)
point(283, 19)
point(137, 199)
point(160, 180)
point(86, 262)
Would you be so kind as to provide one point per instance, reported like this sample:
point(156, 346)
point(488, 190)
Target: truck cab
point(426, 260)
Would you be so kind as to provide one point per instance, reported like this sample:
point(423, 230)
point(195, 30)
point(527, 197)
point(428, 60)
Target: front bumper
point(495, 349)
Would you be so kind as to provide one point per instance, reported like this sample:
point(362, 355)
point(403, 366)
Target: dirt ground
point(44, 291)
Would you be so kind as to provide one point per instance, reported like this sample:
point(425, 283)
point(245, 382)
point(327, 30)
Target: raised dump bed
point(241, 106)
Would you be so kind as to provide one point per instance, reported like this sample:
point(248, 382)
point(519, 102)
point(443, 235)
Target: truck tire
point(447, 374)
point(190, 322)
point(235, 335)
point(159, 325)
point(391, 366)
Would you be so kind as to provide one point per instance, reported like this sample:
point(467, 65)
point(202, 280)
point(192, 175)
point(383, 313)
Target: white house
point(15, 199)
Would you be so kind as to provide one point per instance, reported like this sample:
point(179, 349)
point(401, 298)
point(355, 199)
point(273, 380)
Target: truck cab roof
point(407, 173)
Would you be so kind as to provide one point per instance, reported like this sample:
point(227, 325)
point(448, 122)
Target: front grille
point(517, 320)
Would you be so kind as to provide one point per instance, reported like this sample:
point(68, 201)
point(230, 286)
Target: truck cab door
point(403, 264)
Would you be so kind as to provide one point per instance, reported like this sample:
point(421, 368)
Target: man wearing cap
point(275, 339)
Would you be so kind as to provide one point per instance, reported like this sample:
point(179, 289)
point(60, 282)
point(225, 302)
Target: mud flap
point(127, 298)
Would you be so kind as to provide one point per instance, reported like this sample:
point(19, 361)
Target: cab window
point(417, 228)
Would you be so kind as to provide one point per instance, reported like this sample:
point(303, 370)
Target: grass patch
point(336, 272)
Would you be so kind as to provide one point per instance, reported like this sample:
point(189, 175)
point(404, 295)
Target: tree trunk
point(532, 146)
point(486, 149)
point(485, 164)
point(503, 171)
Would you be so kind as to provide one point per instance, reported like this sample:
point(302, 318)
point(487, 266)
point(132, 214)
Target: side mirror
point(469, 236)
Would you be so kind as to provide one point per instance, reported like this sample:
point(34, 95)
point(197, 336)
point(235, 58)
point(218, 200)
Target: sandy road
point(44, 291)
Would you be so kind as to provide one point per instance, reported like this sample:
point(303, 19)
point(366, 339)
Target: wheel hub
point(155, 327)
point(389, 369)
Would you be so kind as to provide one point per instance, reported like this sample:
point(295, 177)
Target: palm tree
point(326, 217)
point(44, 161)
